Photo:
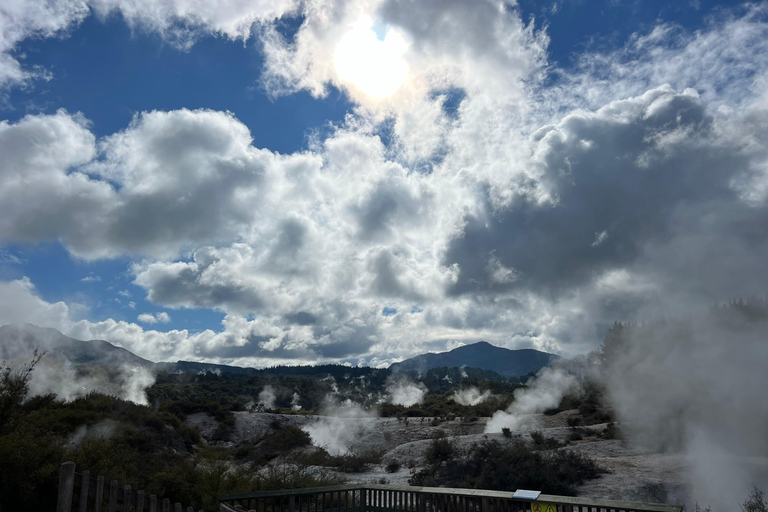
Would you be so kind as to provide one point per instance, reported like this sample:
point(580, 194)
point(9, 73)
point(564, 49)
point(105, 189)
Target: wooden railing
point(387, 498)
point(93, 495)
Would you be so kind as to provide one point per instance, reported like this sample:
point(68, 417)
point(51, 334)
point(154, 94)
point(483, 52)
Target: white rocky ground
point(633, 473)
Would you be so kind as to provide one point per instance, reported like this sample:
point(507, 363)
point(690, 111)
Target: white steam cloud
point(544, 392)
point(698, 389)
point(471, 396)
point(403, 391)
point(295, 402)
point(339, 426)
point(267, 397)
point(61, 378)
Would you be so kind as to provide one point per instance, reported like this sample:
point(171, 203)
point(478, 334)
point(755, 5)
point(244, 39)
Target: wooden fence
point(93, 495)
point(388, 498)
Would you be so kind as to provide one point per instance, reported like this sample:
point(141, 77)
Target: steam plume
point(698, 388)
point(471, 396)
point(403, 391)
point(544, 392)
point(267, 397)
point(339, 426)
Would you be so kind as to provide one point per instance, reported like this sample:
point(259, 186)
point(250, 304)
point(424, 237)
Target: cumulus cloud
point(528, 213)
point(149, 318)
point(180, 22)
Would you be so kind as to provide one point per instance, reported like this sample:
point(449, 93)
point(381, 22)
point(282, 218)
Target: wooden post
point(140, 501)
point(166, 505)
point(362, 500)
point(177, 507)
point(292, 503)
point(99, 493)
point(152, 503)
point(127, 498)
point(113, 496)
point(85, 482)
point(66, 487)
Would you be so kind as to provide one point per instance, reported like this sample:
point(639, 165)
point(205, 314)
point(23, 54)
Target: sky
point(271, 182)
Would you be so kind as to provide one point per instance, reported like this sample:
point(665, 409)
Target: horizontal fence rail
point(387, 498)
point(94, 494)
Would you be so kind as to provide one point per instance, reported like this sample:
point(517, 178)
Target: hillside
point(481, 355)
point(18, 340)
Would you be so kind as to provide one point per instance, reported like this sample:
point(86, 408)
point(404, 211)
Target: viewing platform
point(385, 498)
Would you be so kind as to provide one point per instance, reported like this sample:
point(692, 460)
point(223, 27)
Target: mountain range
point(481, 355)
point(18, 340)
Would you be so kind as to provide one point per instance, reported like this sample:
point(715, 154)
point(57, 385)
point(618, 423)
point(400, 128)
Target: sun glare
point(374, 66)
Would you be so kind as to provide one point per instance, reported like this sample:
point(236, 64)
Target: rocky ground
point(633, 474)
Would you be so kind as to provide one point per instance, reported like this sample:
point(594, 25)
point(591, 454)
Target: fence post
point(127, 498)
point(140, 501)
point(85, 482)
point(292, 503)
point(166, 505)
point(99, 493)
point(113, 496)
point(152, 503)
point(66, 486)
point(363, 500)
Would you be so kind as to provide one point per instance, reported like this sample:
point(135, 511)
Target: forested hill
point(481, 360)
point(481, 355)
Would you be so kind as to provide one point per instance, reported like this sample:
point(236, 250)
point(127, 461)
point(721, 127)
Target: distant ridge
point(17, 341)
point(510, 363)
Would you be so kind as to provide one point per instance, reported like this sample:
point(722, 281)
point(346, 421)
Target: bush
point(755, 502)
point(354, 462)
point(611, 431)
point(493, 465)
point(393, 466)
point(544, 443)
point(506, 432)
point(440, 450)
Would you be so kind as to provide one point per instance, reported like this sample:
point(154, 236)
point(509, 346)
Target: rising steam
point(544, 392)
point(471, 396)
point(401, 390)
point(339, 425)
point(267, 397)
point(700, 390)
point(67, 382)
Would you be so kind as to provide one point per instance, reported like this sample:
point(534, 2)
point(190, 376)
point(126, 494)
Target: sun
point(375, 67)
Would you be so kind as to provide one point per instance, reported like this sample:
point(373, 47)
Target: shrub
point(755, 502)
point(506, 432)
point(544, 443)
point(393, 466)
point(440, 450)
point(493, 465)
point(354, 462)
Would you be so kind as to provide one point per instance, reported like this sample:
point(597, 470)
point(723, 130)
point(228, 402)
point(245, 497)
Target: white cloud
point(22, 19)
point(180, 22)
point(517, 218)
point(149, 318)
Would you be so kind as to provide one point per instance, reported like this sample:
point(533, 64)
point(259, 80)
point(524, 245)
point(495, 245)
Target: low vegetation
point(506, 467)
